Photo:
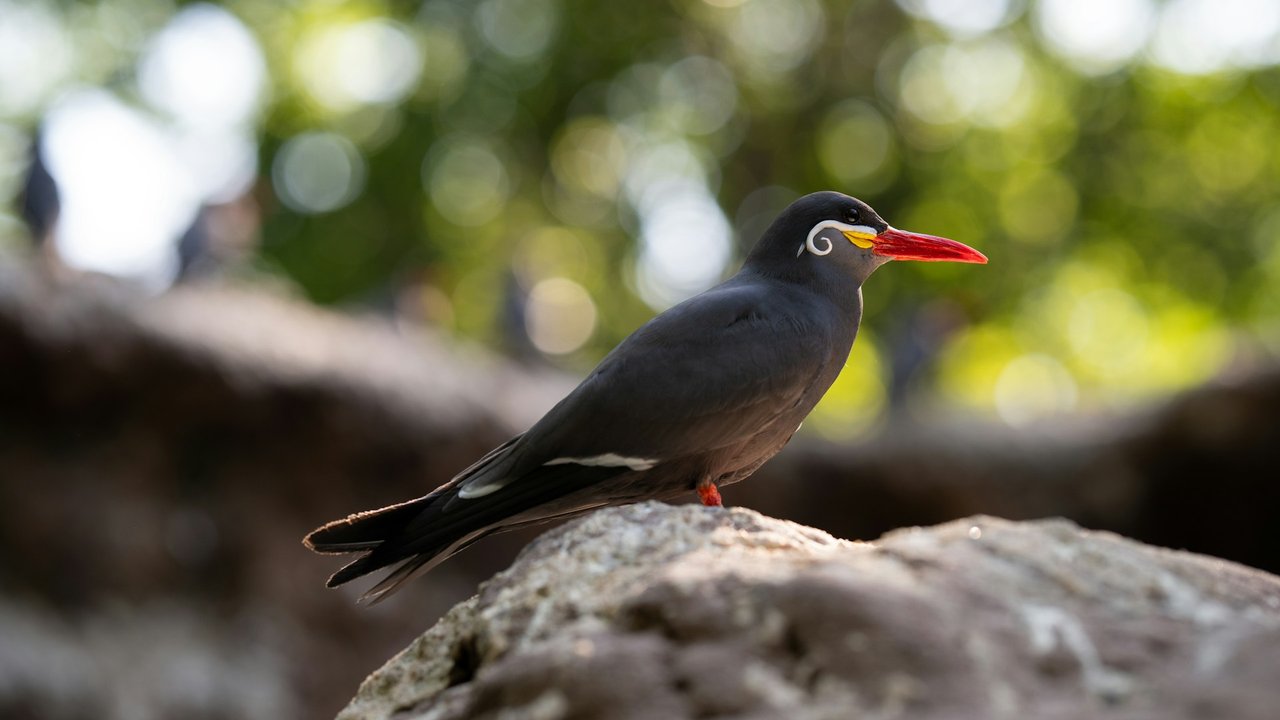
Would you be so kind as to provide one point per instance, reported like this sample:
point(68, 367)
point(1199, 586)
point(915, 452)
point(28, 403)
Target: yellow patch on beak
point(860, 235)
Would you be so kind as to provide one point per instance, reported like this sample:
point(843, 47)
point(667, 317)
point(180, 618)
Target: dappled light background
point(183, 184)
point(582, 165)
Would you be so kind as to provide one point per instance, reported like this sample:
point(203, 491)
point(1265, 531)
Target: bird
point(698, 397)
point(39, 201)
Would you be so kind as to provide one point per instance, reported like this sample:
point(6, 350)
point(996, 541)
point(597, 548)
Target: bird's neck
point(833, 289)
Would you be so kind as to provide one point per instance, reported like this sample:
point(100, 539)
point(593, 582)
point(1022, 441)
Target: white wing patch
point(607, 460)
point(472, 491)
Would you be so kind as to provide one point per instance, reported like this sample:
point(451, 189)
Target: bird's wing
point(711, 372)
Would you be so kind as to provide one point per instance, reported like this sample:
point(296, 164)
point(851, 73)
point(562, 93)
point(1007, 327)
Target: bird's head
point(845, 234)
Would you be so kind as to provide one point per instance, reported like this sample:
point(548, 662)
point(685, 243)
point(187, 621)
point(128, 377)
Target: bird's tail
point(363, 531)
point(386, 538)
point(401, 532)
point(418, 535)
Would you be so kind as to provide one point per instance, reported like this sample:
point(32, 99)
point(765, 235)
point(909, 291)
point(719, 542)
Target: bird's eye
point(852, 216)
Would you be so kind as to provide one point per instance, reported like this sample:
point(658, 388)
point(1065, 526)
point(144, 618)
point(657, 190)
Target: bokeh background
point(484, 197)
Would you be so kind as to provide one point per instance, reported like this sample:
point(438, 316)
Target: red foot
point(709, 495)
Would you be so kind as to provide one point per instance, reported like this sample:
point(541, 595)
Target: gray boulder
point(654, 611)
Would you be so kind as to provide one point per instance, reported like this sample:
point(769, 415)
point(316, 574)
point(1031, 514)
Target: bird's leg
point(708, 494)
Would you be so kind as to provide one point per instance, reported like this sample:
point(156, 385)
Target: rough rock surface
point(652, 611)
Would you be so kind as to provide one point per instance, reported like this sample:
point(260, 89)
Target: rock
point(653, 611)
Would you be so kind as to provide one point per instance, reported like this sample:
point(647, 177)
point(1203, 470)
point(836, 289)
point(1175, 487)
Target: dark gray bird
point(699, 396)
point(39, 202)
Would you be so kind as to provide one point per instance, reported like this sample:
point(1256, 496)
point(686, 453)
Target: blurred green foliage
point(1131, 211)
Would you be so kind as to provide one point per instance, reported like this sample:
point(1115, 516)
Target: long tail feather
point(420, 534)
point(421, 563)
point(364, 530)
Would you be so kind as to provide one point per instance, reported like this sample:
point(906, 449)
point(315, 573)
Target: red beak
point(902, 245)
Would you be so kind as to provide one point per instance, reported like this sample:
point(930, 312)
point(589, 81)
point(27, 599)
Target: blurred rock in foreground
point(653, 611)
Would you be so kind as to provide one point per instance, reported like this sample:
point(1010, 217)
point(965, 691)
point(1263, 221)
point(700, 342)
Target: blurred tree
point(1118, 164)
